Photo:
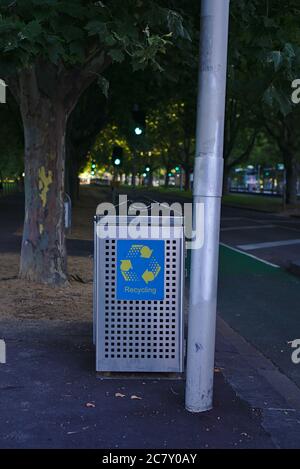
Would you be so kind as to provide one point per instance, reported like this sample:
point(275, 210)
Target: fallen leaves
point(119, 394)
point(133, 396)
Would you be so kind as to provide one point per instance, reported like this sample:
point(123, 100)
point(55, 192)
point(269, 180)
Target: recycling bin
point(138, 295)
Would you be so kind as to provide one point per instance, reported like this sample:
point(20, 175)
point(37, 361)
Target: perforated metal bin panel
point(139, 335)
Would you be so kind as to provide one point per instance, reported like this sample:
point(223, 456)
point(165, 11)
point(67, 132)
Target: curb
point(261, 384)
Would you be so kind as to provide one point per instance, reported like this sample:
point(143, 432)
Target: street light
point(138, 131)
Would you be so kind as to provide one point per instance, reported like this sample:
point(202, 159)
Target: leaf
point(77, 50)
point(275, 98)
point(90, 404)
point(289, 50)
point(104, 85)
point(118, 394)
point(269, 22)
point(117, 55)
point(276, 58)
point(55, 51)
point(97, 27)
point(32, 30)
point(175, 25)
point(284, 103)
point(72, 33)
point(136, 397)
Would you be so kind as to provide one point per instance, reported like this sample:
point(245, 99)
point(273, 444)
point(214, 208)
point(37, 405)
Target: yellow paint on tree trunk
point(41, 228)
point(45, 180)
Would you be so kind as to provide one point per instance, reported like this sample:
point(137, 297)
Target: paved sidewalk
point(51, 398)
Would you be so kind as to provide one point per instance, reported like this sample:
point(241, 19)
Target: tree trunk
point(167, 179)
point(74, 182)
point(47, 94)
point(226, 181)
point(291, 180)
point(187, 171)
point(43, 255)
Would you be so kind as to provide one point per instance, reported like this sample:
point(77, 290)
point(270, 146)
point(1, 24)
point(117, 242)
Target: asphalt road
point(270, 237)
point(267, 236)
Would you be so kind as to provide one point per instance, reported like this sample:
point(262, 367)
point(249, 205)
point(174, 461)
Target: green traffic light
point(117, 162)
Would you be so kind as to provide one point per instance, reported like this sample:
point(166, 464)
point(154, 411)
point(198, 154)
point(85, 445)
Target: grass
point(257, 202)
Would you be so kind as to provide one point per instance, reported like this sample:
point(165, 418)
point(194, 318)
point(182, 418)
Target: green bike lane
point(262, 304)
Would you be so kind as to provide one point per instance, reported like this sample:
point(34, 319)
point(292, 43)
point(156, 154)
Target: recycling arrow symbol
point(143, 252)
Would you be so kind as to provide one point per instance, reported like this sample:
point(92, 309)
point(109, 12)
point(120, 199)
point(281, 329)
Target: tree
point(80, 138)
point(11, 140)
point(51, 52)
point(267, 52)
point(240, 136)
point(171, 133)
point(285, 132)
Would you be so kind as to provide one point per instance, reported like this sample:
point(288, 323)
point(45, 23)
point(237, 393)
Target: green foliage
point(264, 58)
point(264, 45)
point(61, 31)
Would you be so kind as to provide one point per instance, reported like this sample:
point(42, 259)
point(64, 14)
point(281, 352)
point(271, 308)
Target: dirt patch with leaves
point(74, 302)
point(24, 300)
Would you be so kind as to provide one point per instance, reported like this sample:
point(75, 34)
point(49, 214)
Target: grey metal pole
point(207, 190)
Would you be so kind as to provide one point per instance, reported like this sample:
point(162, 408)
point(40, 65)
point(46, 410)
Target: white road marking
point(249, 227)
point(276, 223)
point(250, 255)
point(287, 228)
point(272, 244)
point(231, 218)
point(257, 220)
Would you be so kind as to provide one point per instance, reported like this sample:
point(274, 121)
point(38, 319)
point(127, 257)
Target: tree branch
point(75, 81)
point(246, 153)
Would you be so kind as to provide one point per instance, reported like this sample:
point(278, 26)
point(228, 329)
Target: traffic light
point(117, 156)
point(93, 167)
point(139, 118)
point(147, 169)
point(177, 169)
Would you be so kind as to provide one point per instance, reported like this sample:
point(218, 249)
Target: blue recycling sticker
point(140, 269)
